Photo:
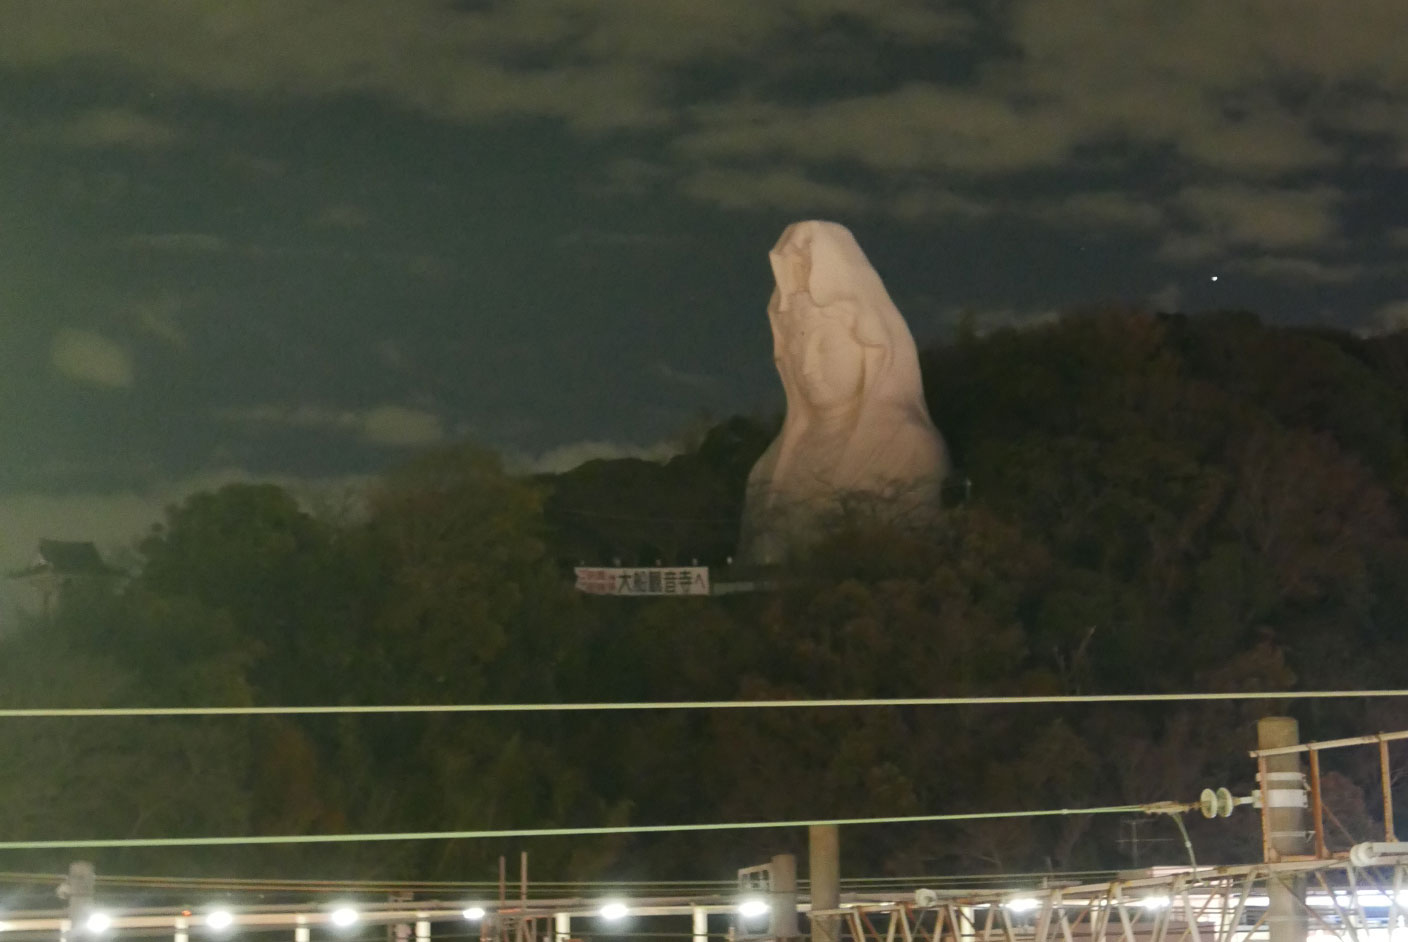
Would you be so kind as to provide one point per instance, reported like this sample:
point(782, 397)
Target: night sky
point(298, 239)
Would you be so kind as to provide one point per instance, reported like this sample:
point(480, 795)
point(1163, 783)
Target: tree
point(289, 583)
point(125, 777)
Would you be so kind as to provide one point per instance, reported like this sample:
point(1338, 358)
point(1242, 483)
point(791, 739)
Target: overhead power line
point(1158, 807)
point(539, 887)
point(83, 712)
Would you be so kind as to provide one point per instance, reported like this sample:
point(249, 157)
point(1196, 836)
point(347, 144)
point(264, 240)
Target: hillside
point(1157, 504)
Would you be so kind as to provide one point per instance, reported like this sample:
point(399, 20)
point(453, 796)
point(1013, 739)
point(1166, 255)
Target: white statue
point(856, 419)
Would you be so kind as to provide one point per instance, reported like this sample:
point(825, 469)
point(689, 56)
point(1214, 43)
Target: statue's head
point(832, 336)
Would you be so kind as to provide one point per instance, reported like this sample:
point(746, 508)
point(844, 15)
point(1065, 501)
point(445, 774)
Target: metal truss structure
point(1342, 901)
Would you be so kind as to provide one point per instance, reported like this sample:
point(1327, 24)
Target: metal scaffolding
point(1215, 904)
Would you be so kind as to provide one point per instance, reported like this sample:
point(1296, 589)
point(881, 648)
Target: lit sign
point(648, 580)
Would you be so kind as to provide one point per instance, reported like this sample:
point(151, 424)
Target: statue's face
point(792, 267)
point(821, 350)
point(831, 363)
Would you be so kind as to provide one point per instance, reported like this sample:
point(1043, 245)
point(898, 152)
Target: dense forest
point(1146, 504)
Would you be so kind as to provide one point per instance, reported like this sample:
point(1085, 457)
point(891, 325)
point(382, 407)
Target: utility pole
point(824, 871)
point(78, 889)
point(783, 893)
point(492, 925)
point(401, 931)
point(1283, 822)
point(522, 926)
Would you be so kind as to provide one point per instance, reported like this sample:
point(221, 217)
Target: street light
point(343, 917)
point(753, 908)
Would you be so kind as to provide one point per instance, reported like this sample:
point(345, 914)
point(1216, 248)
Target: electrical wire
point(1187, 843)
point(538, 889)
point(557, 832)
point(94, 712)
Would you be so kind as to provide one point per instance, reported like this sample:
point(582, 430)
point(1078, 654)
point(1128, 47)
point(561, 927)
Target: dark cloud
point(1284, 268)
point(387, 425)
point(92, 359)
point(119, 127)
point(159, 317)
point(1108, 209)
point(595, 65)
point(198, 243)
point(696, 381)
point(341, 216)
point(787, 189)
point(1228, 217)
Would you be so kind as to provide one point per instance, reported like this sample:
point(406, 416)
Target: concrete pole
point(1283, 796)
point(965, 924)
point(523, 927)
point(699, 923)
point(401, 932)
point(824, 870)
point(784, 897)
point(81, 885)
point(494, 929)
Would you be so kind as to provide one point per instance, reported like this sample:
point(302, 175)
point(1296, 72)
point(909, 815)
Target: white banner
point(644, 580)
